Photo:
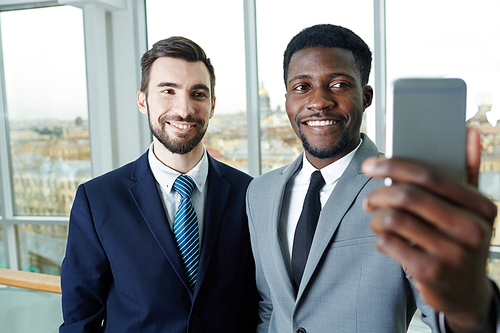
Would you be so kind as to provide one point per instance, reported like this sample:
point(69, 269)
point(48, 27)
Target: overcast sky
point(452, 38)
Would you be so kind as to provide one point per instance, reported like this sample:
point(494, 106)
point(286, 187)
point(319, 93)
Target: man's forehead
point(314, 59)
point(180, 68)
point(333, 55)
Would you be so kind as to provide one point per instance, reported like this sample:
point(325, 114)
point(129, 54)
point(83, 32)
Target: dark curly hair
point(329, 35)
point(175, 47)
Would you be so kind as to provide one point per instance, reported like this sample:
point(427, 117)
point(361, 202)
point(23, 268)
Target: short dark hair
point(329, 35)
point(175, 47)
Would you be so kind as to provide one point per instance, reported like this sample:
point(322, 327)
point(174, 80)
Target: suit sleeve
point(85, 272)
point(265, 305)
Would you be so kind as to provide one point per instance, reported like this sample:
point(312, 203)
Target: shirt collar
point(331, 172)
point(166, 176)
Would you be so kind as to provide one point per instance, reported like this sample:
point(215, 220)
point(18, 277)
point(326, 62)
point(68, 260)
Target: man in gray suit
point(432, 234)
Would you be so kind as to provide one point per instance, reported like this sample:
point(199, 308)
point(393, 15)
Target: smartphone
point(426, 122)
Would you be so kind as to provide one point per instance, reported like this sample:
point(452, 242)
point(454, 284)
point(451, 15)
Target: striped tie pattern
point(186, 228)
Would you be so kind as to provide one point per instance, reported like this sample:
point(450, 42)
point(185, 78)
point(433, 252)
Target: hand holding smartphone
point(439, 231)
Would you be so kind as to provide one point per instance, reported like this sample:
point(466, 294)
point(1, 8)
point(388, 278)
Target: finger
point(463, 226)
point(418, 233)
point(404, 171)
point(419, 264)
point(444, 285)
point(473, 155)
point(427, 272)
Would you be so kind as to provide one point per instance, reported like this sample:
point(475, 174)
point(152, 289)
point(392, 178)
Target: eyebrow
point(299, 77)
point(342, 74)
point(200, 86)
point(175, 85)
point(307, 76)
point(167, 84)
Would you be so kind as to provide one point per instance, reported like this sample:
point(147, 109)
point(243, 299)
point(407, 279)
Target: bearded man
point(162, 244)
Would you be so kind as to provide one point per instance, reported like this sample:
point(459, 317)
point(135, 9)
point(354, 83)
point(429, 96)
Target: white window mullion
point(131, 129)
point(8, 230)
point(96, 54)
point(376, 120)
point(11, 247)
point(252, 85)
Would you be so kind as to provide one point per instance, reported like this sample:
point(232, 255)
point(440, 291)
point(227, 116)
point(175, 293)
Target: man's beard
point(326, 152)
point(177, 145)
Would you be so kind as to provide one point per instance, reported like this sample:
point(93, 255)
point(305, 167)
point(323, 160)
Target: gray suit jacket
point(347, 286)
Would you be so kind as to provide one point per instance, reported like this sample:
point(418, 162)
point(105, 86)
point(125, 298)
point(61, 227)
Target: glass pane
point(461, 45)
point(41, 248)
point(46, 96)
point(446, 47)
point(217, 26)
point(494, 267)
point(276, 25)
point(24, 310)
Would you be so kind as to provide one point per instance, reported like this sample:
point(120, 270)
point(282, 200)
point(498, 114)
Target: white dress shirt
point(165, 178)
point(295, 194)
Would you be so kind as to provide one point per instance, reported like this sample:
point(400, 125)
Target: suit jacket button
point(301, 330)
point(194, 318)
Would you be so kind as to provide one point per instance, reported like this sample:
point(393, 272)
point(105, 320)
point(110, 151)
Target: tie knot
point(317, 181)
point(184, 185)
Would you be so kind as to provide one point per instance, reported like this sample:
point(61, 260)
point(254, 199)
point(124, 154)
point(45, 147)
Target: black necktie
point(306, 226)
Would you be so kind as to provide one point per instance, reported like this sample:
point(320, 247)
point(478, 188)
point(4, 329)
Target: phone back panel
point(427, 122)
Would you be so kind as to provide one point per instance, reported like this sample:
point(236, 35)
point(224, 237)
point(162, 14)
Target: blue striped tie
point(186, 228)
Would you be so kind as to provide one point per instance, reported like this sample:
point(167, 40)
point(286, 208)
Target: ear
point(141, 102)
point(367, 96)
point(213, 108)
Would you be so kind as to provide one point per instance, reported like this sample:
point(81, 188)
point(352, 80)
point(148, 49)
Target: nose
point(320, 99)
point(183, 105)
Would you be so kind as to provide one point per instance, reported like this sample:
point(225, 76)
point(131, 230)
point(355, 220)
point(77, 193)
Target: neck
point(180, 163)
point(320, 163)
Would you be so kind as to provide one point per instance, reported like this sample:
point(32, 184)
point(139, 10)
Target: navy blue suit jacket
point(122, 267)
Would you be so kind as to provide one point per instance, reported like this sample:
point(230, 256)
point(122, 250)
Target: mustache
point(190, 119)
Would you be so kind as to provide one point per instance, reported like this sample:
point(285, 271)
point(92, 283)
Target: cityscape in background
point(50, 158)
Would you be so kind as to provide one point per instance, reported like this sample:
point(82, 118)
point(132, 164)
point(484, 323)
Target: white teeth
point(321, 122)
point(180, 126)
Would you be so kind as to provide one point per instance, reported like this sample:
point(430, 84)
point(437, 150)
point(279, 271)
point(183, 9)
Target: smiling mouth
point(182, 126)
point(321, 123)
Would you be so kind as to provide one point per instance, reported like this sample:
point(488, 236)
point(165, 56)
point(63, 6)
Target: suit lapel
point(342, 197)
point(147, 199)
point(217, 195)
point(279, 185)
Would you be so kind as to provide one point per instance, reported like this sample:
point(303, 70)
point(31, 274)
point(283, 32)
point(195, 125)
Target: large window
point(46, 105)
point(47, 128)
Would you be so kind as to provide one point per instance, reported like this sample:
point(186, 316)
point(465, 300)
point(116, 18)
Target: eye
point(340, 84)
point(301, 87)
point(200, 94)
point(168, 91)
